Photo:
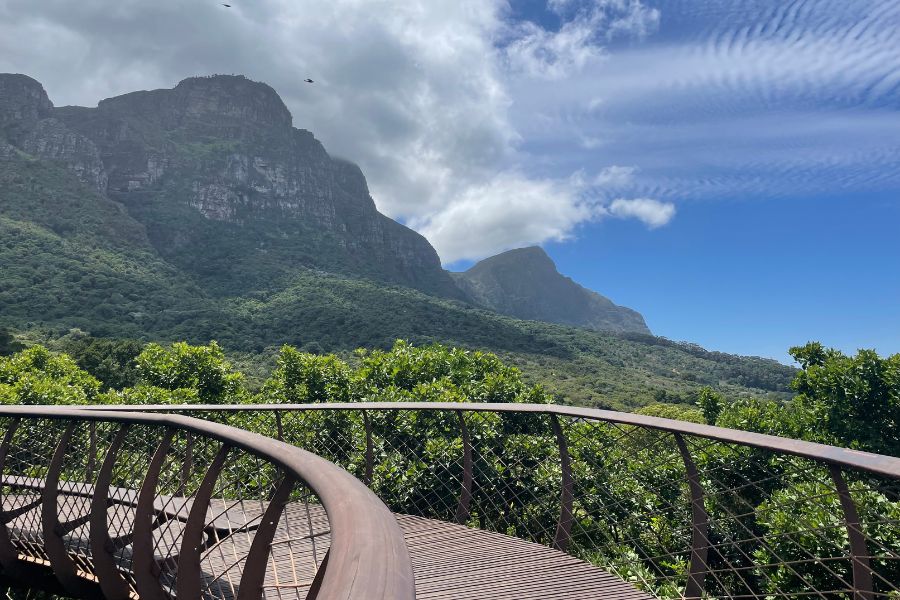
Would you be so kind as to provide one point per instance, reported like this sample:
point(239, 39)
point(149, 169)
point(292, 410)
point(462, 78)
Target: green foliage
point(436, 372)
point(36, 376)
point(710, 403)
point(853, 400)
point(109, 360)
point(672, 411)
point(793, 525)
point(762, 416)
point(202, 370)
point(301, 377)
point(8, 344)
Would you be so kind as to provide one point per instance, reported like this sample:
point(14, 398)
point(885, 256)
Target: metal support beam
point(696, 583)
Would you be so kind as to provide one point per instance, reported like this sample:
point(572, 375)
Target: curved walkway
point(449, 560)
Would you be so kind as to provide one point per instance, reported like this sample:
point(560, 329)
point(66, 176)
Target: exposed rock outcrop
point(524, 283)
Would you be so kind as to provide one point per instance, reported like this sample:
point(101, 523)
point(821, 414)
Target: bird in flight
point(226, 5)
point(309, 81)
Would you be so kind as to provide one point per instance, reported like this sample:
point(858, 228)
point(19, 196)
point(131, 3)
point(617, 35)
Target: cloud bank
point(485, 129)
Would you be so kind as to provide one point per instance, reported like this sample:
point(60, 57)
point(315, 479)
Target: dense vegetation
point(74, 259)
point(629, 489)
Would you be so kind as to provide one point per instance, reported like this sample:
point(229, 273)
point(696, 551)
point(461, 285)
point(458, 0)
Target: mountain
point(200, 212)
point(524, 283)
point(226, 188)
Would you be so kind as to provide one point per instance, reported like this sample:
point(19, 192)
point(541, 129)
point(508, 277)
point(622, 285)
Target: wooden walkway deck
point(450, 562)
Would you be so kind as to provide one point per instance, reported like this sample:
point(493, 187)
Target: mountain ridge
point(524, 283)
point(163, 215)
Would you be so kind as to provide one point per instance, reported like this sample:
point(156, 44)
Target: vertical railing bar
point(92, 450)
point(250, 587)
point(8, 554)
point(696, 583)
point(188, 465)
point(465, 494)
point(312, 537)
point(370, 453)
point(144, 565)
point(112, 583)
point(62, 564)
point(566, 497)
point(188, 578)
point(279, 430)
point(859, 551)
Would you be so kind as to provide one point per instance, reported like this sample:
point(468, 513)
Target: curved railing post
point(696, 583)
point(567, 495)
point(111, 580)
point(257, 562)
point(8, 555)
point(859, 552)
point(145, 575)
point(64, 568)
point(188, 582)
point(465, 494)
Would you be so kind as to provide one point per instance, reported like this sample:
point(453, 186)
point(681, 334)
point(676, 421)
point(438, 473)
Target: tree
point(110, 361)
point(853, 401)
point(710, 403)
point(197, 373)
point(36, 376)
point(301, 377)
point(8, 344)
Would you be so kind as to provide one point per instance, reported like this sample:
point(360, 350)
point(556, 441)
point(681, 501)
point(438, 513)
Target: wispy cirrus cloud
point(487, 130)
point(736, 100)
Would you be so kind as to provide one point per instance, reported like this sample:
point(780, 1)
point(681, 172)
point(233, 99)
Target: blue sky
point(731, 169)
point(785, 175)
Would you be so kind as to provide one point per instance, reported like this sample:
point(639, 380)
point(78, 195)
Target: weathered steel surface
point(112, 583)
point(566, 494)
point(864, 461)
point(696, 583)
point(465, 493)
point(859, 552)
point(189, 571)
point(367, 556)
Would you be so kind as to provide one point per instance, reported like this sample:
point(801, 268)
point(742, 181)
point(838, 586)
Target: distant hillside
point(200, 213)
point(524, 283)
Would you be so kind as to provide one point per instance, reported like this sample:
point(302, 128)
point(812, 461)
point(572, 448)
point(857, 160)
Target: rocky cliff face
point(26, 121)
point(215, 178)
point(216, 163)
point(524, 283)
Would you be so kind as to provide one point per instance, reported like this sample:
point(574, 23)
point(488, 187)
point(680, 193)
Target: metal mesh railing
point(157, 506)
point(678, 509)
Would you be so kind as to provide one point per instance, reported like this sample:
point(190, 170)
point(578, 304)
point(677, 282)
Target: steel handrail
point(368, 557)
point(878, 464)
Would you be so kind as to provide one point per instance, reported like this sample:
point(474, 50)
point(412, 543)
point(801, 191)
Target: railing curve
point(683, 510)
point(124, 505)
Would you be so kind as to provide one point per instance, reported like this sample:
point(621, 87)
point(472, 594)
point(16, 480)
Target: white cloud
point(509, 211)
point(653, 213)
point(447, 107)
point(416, 92)
point(586, 27)
point(615, 176)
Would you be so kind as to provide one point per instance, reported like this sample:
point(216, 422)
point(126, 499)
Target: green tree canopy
point(8, 344)
point(37, 376)
point(301, 377)
point(854, 401)
point(195, 373)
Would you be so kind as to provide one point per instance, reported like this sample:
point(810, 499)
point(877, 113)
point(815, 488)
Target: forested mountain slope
point(200, 213)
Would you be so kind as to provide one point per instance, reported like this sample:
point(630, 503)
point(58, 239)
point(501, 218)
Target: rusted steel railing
point(681, 510)
point(156, 506)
